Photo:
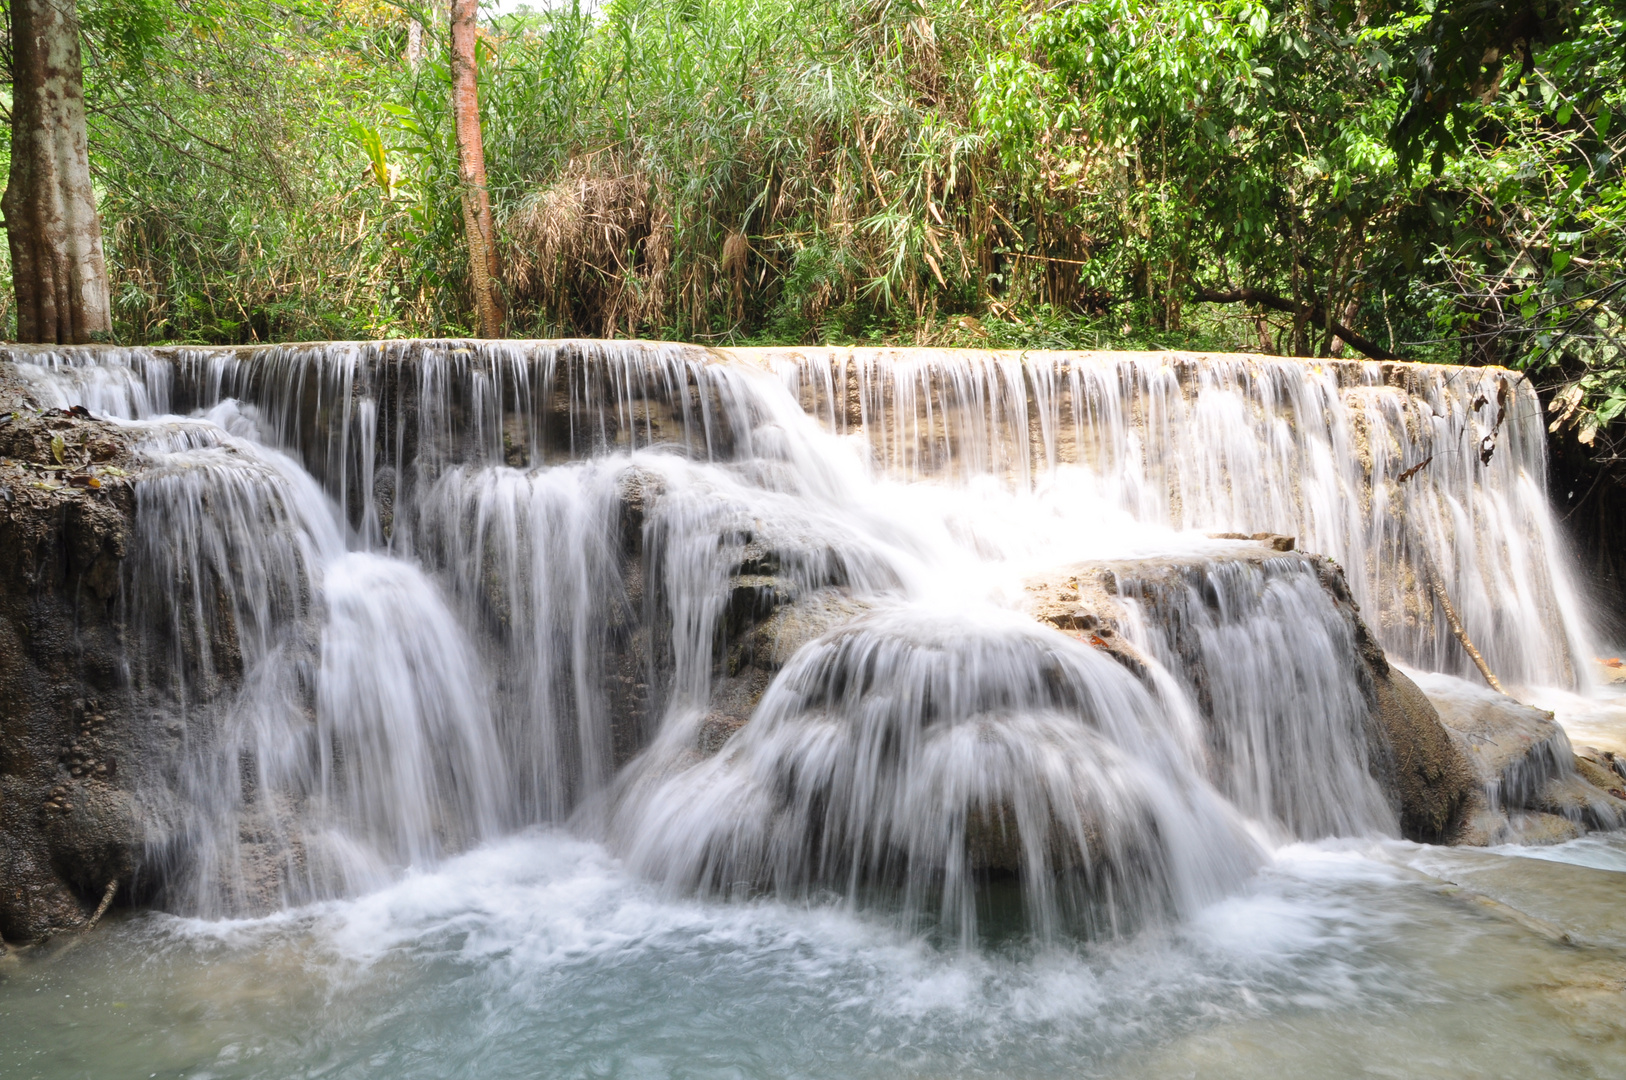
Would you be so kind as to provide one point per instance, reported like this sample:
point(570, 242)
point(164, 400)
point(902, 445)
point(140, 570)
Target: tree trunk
point(471, 168)
point(57, 266)
point(414, 43)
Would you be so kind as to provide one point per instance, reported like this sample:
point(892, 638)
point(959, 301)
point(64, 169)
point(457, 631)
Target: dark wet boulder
point(68, 826)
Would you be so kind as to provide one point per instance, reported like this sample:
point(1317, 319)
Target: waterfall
point(1258, 648)
point(892, 759)
point(755, 617)
point(1396, 471)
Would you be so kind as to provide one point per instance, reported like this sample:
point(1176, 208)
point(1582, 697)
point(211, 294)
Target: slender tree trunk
point(57, 266)
point(471, 168)
point(414, 43)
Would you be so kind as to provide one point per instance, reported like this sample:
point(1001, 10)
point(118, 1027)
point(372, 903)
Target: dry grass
point(594, 247)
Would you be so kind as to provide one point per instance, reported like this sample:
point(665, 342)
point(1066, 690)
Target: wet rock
point(1082, 602)
point(1524, 768)
point(716, 729)
point(775, 636)
point(1487, 827)
point(67, 822)
point(1432, 778)
point(639, 488)
point(781, 594)
point(1514, 749)
point(1603, 769)
point(768, 620)
point(1418, 767)
point(34, 901)
point(1274, 541)
point(993, 842)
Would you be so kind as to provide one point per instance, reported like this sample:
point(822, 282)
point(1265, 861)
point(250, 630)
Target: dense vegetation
point(1444, 182)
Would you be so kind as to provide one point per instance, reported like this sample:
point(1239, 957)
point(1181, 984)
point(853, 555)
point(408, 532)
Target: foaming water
point(895, 757)
point(542, 955)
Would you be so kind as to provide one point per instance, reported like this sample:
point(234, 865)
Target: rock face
point(1421, 772)
point(1530, 786)
point(779, 599)
point(1433, 781)
point(67, 827)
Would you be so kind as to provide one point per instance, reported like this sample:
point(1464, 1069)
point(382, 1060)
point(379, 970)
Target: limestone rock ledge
point(780, 597)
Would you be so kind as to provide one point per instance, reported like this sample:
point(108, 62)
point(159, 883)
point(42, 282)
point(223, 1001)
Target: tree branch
point(1314, 313)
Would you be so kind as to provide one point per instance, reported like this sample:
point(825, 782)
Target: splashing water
point(753, 617)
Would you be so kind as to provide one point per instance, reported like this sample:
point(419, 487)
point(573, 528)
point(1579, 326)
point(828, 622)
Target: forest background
point(1432, 182)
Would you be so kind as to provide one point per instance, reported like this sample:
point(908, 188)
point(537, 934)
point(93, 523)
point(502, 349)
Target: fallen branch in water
point(1437, 586)
point(1455, 623)
point(101, 908)
point(1467, 642)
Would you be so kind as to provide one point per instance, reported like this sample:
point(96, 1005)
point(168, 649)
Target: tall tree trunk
point(57, 266)
point(471, 169)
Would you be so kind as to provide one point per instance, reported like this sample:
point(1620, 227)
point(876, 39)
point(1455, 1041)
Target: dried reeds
point(593, 248)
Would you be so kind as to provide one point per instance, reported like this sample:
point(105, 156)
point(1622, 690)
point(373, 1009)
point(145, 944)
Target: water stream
point(585, 708)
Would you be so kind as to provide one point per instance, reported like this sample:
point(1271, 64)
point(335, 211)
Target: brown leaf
point(1415, 469)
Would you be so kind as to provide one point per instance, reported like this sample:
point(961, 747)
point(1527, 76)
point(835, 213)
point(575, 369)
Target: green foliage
point(928, 171)
point(1529, 262)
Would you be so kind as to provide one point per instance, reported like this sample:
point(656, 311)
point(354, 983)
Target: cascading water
point(330, 715)
point(894, 758)
point(1399, 472)
point(1257, 647)
point(405, 597)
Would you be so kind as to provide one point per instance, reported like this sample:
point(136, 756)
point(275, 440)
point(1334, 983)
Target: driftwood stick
point(1462, 635)
point(1436, 584)
point(101, 908)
